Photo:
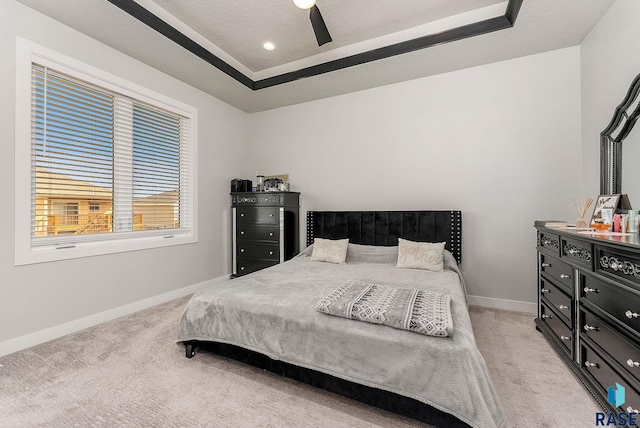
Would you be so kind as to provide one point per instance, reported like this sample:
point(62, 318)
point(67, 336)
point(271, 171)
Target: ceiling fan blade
point(319, 27)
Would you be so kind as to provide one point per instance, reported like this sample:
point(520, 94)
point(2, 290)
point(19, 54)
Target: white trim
point(25, 252)
point(508, 305)
point(55, 332)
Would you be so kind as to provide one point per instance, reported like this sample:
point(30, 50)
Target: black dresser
point(589, 308)
point(265, 229)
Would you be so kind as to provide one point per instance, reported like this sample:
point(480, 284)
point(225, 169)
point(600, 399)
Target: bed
point(269, 319)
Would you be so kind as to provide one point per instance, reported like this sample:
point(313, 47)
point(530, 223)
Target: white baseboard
point(45, 335)
point(509, 305)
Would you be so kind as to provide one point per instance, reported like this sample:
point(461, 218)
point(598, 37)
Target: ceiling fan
point(319, 27)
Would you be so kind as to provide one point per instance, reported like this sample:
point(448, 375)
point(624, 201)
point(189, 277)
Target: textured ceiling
point(542, 25)
point(240, 27)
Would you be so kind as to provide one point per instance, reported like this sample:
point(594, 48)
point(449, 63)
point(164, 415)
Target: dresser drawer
point(258, 233)
point(606, 377)
point(559, 328)
point(549, 242)
point(619, 303)
point(620, 348)
point(618, 264)
point(577, 252)
point(561, 272)
point(248, 266)
point(558, 299)
point(258, 215)
point(256, 250)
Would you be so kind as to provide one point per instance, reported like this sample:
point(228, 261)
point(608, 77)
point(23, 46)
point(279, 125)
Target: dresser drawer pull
point(630, 314)
point(241, 214)
point(590, 290)
point(546, 265)
point(563, 337)
point(590, 364)
point(563, 276)
point(270, 215)
point(242, 250)
point(545, 316)
point(242, 232)
point(588, 327)
point(242, 268)
point(270, 252)
point(270, 233)
point(631, 410)
point(544, 290)
point(632, 363)
point(563, 307)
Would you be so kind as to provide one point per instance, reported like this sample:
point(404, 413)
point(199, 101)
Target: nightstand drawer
point(558, 299)
point(613, 342)
point(255, 250)
point(561, 272)
point(559, 328)
point(258, 215)
point(577, 252)
point(258, 233)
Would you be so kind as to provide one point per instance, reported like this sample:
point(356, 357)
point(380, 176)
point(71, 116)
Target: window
point(109, 164)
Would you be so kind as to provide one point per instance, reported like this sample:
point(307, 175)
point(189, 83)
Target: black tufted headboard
point(385, 227)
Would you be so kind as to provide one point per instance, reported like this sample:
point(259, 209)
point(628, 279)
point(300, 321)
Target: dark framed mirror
point(621, 174)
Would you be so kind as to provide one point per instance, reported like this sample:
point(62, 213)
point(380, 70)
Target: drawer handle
point(270, 215)
point(545, 316)
point(590, 290)
point(242, 232)
point(241, 214)
point(271, 234)
point(544, 290)
point(590, 364)
point(563, 276)
point(631, 410)
point(630, 314)
point(546, 265)
point(242, 268)
point(563, 337)
point(242, 250)
point(563, 307)
point(588, 327)
point(632, 363)
point(270, 252)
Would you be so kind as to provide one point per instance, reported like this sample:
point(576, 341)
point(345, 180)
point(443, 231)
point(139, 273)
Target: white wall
point(43, 296)
point(500, 142)
point(609, 63)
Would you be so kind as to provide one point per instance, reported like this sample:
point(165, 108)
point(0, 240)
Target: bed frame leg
point(190, 349)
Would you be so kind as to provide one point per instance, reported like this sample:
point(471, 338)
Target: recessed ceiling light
point(269, 46)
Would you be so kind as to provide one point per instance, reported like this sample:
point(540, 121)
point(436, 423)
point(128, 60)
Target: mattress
point(273, 312)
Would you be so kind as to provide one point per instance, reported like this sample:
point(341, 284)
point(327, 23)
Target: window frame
point(25, 252)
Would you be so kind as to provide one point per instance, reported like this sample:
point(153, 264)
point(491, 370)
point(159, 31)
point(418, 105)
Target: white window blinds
point(119, 166)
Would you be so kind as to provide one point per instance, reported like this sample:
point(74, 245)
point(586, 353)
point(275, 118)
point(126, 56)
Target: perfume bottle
point(260, 183)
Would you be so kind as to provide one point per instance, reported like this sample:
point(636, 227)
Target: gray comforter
point(273, 312)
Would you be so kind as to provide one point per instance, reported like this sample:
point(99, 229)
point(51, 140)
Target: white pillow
point(420, 255)
point(330, 250)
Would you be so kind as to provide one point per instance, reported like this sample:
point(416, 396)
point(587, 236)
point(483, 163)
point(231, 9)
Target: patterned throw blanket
point(404, 308)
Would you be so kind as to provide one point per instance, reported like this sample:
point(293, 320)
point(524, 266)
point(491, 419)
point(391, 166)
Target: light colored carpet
point(129, 372)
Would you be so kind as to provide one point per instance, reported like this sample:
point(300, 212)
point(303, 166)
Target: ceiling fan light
point(304, 4)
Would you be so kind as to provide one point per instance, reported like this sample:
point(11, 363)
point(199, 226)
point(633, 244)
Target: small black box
point(241, 185)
